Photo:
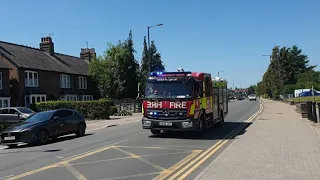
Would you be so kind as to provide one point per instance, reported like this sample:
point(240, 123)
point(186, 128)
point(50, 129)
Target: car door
point(70, 124)
point(56, 126)
point(10, 116)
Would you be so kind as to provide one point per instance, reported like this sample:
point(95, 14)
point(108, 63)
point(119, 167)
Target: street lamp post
point(270, 56)
point(149, 57)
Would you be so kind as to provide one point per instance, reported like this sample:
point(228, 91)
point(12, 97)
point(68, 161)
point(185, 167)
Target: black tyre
point(12, 146)
point(155, 132)
point(81, 131)
point(43, 137)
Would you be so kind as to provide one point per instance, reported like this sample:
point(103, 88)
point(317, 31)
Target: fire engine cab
point(183, 101)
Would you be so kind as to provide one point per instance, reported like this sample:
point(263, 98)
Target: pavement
point(278, 145)
point(125, 151)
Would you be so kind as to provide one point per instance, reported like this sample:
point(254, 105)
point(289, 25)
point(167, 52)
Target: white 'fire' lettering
point(178, 105)
point(154, 104)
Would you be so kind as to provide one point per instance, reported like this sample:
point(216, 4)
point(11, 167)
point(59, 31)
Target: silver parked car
point(252, 97)
point(14, 115)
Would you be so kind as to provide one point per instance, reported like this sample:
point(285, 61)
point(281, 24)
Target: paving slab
point(278, 145)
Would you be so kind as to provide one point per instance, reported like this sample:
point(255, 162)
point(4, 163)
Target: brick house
point(5, 83)
point(41, 74)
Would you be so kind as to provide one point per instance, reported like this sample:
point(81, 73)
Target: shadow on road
point(60, 139)
point(231, 129)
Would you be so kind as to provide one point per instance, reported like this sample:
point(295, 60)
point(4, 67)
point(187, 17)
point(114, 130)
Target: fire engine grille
point(167, 114)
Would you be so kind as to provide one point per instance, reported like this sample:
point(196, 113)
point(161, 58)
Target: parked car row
point(26, 126)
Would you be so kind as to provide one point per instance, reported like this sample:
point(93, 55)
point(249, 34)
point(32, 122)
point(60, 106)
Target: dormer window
point(31, 79)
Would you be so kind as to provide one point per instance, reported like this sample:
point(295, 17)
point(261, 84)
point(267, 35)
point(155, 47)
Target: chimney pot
point(47, 45)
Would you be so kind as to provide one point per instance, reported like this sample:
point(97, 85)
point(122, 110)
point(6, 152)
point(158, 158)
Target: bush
point(305, 99)
point(113, 109)
point(99, 109)
point(123, 113)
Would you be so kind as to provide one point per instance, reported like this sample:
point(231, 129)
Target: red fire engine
point(183, 101)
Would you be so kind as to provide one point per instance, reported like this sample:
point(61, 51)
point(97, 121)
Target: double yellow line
point(191, 166)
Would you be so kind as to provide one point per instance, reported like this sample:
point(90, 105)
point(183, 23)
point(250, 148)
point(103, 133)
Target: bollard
point(314, 112)
point(309, 110)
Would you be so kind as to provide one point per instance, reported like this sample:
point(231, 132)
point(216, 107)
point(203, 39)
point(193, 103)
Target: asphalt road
point(123, 152)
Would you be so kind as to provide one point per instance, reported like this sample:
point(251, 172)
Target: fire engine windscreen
point(165, 89)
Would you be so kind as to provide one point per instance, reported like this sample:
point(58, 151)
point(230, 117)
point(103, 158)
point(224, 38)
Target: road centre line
point(200, 161)
point(64, 162)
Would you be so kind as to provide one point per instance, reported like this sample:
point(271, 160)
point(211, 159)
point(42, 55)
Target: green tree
point(152, 64)
point(129, 69)
point(116, 71)
point(252, 89)
point(156, 62)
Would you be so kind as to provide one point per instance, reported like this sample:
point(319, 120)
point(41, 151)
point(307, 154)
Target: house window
point(34, 98)
point(82, 82)
point(30, 79)
point(69, 97)
point(0, 80)
point(86, 98)
point(65, 81)
point(4, 102)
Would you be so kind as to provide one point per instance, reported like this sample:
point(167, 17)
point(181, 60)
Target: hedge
point(99, 109)
point(113, 110)
point(305, 99)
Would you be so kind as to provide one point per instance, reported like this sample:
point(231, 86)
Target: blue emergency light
point(169, 73)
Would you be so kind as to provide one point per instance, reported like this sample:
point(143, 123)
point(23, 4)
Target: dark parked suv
point(42, 126)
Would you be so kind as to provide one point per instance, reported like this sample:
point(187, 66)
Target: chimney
point(88, 53)
point(47, 45)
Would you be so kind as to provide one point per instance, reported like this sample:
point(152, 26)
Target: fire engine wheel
point(155, 132)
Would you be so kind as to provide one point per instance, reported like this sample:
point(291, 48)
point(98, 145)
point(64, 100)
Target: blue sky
point(203, 35)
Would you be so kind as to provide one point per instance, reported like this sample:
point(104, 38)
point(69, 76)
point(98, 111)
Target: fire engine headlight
point(147, 123)
point(187, 124)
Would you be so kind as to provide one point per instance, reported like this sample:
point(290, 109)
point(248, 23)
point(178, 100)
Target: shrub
point(113, 109)
point(305, 99)
point(123, 113)
point(99, 109)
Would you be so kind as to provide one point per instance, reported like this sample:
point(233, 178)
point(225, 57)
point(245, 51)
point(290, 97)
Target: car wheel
point(155, 132)
point(12, 146)
point(43, 137)
point(81, 131)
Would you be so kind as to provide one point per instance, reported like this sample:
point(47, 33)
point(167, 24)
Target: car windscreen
point(165, 89)
point(25, 110)
point(40, 116)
